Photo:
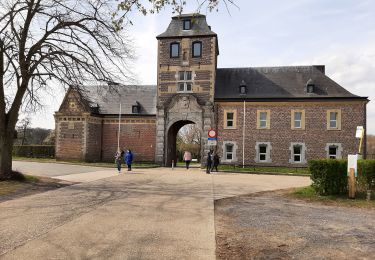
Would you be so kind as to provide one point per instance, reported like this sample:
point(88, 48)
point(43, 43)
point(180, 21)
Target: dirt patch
point(16, 189)
point(271, 226)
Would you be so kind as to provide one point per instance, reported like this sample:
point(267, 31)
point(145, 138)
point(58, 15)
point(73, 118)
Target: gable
point(73, 103)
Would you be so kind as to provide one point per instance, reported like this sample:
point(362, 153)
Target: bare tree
point(45, 42)
point(66, 42)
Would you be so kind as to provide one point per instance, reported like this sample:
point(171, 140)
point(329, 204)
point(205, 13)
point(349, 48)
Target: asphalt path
point(52, 169)
point(145, 214)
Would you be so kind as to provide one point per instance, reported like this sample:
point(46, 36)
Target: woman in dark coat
point(216, 162)
point(129, 159)
point(209, 162)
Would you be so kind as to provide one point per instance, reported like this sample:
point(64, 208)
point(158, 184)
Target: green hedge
point(329, 176)
point(34, 151)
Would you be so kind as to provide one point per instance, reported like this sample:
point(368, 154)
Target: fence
point(370, 156)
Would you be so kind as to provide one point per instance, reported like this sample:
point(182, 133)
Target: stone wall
point(315, 136)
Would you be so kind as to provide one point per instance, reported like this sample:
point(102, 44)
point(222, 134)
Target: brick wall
point(94, 142)
point(137, 134)
point(69, 140)
point(280, 135)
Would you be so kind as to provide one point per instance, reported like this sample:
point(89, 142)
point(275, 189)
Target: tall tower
point(187, 60)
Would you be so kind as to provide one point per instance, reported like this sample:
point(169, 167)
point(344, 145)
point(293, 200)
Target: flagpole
point(119, 128)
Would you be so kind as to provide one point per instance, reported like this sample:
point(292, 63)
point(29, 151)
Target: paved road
point(52, 169)
point(147, 214)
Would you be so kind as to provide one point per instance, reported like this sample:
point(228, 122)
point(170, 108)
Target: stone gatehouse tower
point(187, 59)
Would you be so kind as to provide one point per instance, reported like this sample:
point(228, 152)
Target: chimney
point(321, 68)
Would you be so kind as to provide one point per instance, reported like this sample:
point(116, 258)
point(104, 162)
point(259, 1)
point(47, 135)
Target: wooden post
point(351, 184)
point(172, 164)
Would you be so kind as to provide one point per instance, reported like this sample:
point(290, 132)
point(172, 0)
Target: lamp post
point(243, 91)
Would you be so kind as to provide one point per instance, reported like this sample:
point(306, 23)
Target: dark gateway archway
point(171, 141)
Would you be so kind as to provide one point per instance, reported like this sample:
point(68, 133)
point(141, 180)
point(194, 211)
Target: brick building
point(263, 116)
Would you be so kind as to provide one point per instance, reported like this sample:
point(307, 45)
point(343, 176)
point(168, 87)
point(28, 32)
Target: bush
point(366, 175)
point(34, 151)
point(329, 176)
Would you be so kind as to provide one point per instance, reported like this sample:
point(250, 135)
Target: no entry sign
point(211, 133)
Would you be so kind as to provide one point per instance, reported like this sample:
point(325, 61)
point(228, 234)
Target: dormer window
point(136, 108)
point(175, 50)
point(197, 49)
point(187, 24)
point(243, 88)
point(310, 85)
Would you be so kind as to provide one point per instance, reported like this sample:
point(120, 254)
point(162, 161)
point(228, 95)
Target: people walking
point(187, 159)
point(129, 159)
point(118, 159)
point(209, 162)
point(216, 162)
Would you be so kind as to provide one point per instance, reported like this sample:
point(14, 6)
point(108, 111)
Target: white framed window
point(185, 81)
point(263, 119)
point(297, 119)
point(334, 119)
point(334, 150)
point(297, 153)
point(230, 119)
point(263, 152)
point(229, 152)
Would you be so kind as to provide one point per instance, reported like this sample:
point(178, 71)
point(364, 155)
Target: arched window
point(174, 50)
point(197, 49)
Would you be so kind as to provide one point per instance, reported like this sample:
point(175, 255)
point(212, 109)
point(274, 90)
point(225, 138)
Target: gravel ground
point(271, 226)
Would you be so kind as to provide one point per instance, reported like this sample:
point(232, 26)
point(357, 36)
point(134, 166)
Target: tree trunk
point(6, 145)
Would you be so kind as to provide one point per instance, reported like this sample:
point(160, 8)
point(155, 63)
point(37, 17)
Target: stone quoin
point(292, 113)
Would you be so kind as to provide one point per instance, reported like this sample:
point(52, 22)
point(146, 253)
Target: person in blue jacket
point(129, 159)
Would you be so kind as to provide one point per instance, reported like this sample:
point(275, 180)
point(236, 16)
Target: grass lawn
point(309, 194)
point(95, 164)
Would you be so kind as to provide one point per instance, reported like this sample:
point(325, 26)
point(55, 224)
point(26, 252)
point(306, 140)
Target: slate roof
point(199, 27)
point(105, 100)
point(277, 83)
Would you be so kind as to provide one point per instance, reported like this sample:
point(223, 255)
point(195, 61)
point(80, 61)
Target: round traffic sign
point(211, 133)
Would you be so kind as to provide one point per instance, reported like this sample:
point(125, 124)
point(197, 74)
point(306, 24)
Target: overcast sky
point(337, 33)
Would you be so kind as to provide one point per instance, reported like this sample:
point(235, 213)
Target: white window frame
point(185, 82)
point(267, 154)
point(338, 150)
point(229, 153)
point(302, 154)
point(333, 120)
point(262, 120)
point(234, 152)
point(230, 120)
point(298, 120)
point(294, 155)
point(261, 153)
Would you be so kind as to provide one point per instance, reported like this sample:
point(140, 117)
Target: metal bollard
point(172, 164)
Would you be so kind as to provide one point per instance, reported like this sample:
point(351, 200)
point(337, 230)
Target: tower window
point(187, 24)
point(185, 81)
point(197, 49)
point(175, 50)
